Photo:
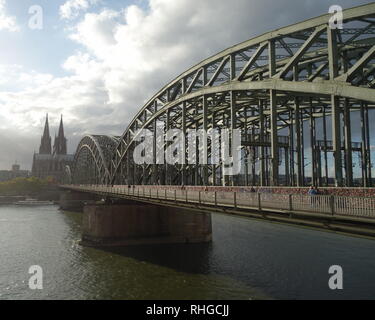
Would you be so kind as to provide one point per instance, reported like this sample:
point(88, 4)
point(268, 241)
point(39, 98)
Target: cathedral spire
point(46, 127)
point(61, 128)
point(45, 143)
point(60, 141)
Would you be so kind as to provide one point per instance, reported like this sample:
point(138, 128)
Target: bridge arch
point(270, 87)
point(67, 176)
point(91, 160)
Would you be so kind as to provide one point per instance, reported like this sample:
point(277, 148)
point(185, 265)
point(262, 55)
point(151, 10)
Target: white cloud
point(72, 8)
point(97, 32)
point(7, 22)
point(16, 78)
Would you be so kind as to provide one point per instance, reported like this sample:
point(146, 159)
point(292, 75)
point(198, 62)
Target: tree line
point(25, 186)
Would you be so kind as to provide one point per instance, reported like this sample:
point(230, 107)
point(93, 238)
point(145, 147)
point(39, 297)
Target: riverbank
point(51, 193)
point(20, 188)
point(6, 200)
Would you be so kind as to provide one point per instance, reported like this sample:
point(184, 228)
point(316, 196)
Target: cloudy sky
point(97, 61)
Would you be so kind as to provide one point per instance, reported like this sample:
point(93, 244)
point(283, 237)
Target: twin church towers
point(51, 162)
point(59, 147)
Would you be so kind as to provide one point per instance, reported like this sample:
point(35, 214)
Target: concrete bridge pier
point(134, 223)
point(75, 200)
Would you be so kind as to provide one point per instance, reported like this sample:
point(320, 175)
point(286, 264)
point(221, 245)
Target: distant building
point(16, 172)
point(51, 162)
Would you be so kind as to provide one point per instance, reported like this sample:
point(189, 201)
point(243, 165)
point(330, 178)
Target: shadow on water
point(183, 271)
point(188, 258)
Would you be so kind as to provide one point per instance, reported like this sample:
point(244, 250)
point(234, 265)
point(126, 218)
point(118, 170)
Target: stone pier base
point(75, 201)
point(136, 224)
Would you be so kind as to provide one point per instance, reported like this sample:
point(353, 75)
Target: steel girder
point(276, 81)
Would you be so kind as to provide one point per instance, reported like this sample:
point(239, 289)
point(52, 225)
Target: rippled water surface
point(247, 259)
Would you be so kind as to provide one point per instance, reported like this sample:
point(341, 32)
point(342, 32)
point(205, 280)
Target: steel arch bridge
point(91, 160)
point(291, 90)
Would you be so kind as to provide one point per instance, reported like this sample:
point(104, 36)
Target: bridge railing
point(314, 203)
point(320, 204)
point(357, 206)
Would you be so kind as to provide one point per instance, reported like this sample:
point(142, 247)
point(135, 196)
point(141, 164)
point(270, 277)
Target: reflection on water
point(247, 259)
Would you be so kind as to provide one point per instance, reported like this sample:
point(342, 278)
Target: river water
point(247, 259)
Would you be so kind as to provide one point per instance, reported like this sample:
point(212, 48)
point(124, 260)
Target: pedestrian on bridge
point(312, 193)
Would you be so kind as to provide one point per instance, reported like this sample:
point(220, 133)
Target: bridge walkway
point(347, 214)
